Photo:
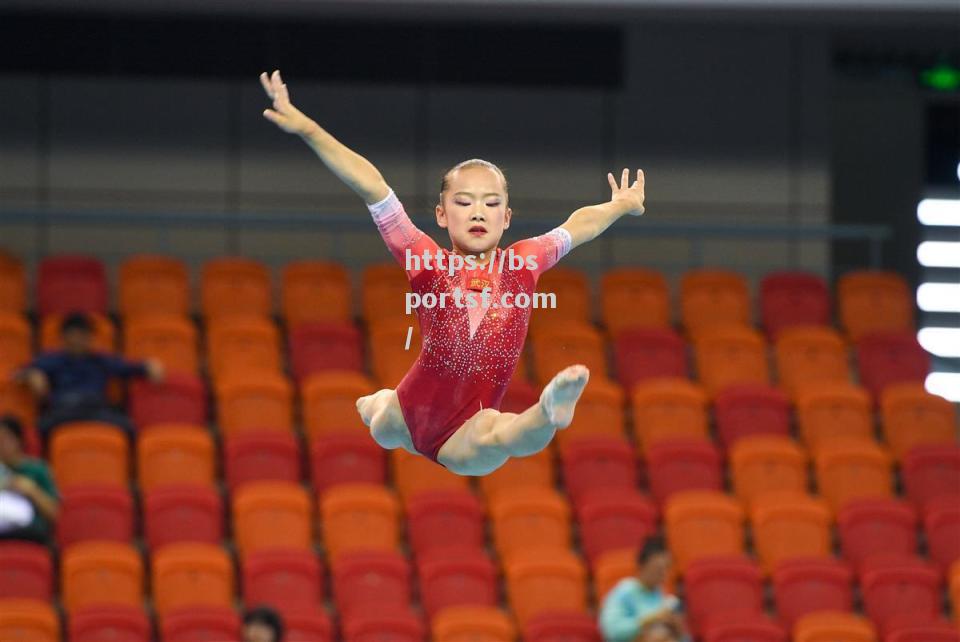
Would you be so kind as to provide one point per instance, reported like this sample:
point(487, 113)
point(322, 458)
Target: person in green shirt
point(29, 501)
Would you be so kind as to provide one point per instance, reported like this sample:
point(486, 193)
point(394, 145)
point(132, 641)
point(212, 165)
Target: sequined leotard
point(468, 355)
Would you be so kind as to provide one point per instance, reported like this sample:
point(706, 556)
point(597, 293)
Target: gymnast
point(446, 407)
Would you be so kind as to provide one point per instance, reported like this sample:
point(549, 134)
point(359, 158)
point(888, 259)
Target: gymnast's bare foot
point(559, 397)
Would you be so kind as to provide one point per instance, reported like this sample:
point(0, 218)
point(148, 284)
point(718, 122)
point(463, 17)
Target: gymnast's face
point(474, 210)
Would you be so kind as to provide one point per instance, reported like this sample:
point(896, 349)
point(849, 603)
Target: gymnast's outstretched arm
point(354, 170)
point(587, 223)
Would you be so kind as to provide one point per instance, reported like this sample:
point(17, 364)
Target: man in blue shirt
point(639, 603)
point(73, 381)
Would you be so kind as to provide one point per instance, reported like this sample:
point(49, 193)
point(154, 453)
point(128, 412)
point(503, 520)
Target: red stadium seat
point(316, 347)
point(443, 519)
point(288, 580)
point(614, 519)
point(370, 580)
point(179, 399)
point(749, 410)
point(113, 623)
point(894, 586)
point(183, 513)
point(876, 525)
point(793, 298)
point(718, 585)
point(562, 626)
point(346, 458)
point(308, 626)
point(261, 456)
point(890, 358)
point(456, 577)
point(71, 283)
point(683, 464)
point(647, 353)
point(740, 626)
point(931, 471)
point(382, 625)
point(941, 523)
point(934, 630)
point(807, 585)
point(26, 571)
point(200, 623)
point(91, 512)
point(591, 463)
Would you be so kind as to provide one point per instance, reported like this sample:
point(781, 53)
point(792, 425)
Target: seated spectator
point(660, 631)
point(29, 501)
point(262, 624)
point(635, 604)
point(73, 381)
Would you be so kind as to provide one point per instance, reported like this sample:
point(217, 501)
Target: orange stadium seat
point(473, 623)
point(614, 519)
point(200, 623)
point(26, 571)
point(572, 298)
point(610, 568)
point(71, 283)
point(291, 580)
point(100, 573)
point(559, 345)
point(243, 346)
point(320, 347)
point(15, 343)
point(545, 580)
point(747, 410)
point(452, 578)
point(676, 465)
point(634, 298)
point(640, 354)
point(953, 580)
point(793, 298)
point(24, 620)
point(170, 340)
point(834, 626)
point(96, 624)
point(599, 413)
point(712, 298)
point(668, 409)
point(441, 519)
point(94, 513)
point(185, 513)
point(888, 359)
point(390, 359)
point(911, 416)
point(89, 453)
point(261, 456)
point(721, 585)
point(807, 585)
point(315, 291)
point(383, 295)
point(177, 399)
point(191, 575)
point(701, 523)
point(257, 403)
point(876, 525)
point(346, 458)
point(414, 474)
point(727, 356)
point(874, 301)
point(535, 470)
point(358, 517)
point(850, 469)
point(811, 354)
point(15, 399)
point(592, 463)
point(833, 411)
point(152, 286)
point(765, 463)
point(175, 454)
point(13, 285)
point(271, 514)
point(788, 525)
point(529, 519)
point(330, 403)
point(104, 334)
point(235, 287)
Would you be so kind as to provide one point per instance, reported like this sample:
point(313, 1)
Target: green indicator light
point(943, 77)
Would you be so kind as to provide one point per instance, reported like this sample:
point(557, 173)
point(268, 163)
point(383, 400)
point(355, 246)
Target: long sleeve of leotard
point(401, 235)
point(546, 249)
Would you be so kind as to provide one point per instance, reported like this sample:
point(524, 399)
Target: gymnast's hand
point(631, 195)
point(284, 114)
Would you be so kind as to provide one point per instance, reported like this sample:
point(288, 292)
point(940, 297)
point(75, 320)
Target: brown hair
point(473, 162)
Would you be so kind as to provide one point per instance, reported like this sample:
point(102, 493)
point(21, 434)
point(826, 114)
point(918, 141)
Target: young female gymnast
point(445, 408)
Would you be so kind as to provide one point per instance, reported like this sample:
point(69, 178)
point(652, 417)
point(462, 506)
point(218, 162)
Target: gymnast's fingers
point(274, 117)
point(612, 181)
point(625, 178)
point(265, 82)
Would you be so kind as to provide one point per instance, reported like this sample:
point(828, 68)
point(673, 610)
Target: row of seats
point(867, 301)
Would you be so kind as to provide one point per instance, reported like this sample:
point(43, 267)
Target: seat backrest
point(175, 454)
point(183, 513)
point(329, 402)
point(930, 471)
point(788, 524)
point(667, 409)
point(315, 291)
point(793, 298)
point(911, 416)
point(89, 453)
point(599, 412)
point(614, 519)
point(556, 346)
point(98, 623)
point(382, 291)
point(545, 580)
point(13, 284)
point(590, 463)
point(359, 516)
point(370, 579)
point(648, 353)
point(272, 514)
point(764, 463)
point(71, 283)
point(572, 291)
point(755, 409)
point(711, 297)
point(26, 571)
point(876, 525)
point(152, 286)
point(443, 519)
point(235, 287)
point(703, 523)
point(15, 342)
point(242, 345)
point(730, 355)
point(719, 584)
point(23, 620)
point(473, 624)
point(833, 410)
point(850, 469)
point(874, 301)
point(261, 456)
point(101, 573)
point(191, 575)
point(537, 470)
point(806, 585)
point(834, 626)
point(319, 347)
point(530, 518)
point(891, 358)
point(413, 474)
point(634, 298)
point(456, 577)
point(676, 465)
point(346, 458)
point(170, 340)
point(260, 403)
point(94, 513)
point(808, 354)
point(289, 579)
point(207, 622)
point(178, 398)
point(612, 566)
point(554, 626)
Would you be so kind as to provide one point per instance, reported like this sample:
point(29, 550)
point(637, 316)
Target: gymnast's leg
point(381, 412)
point(489, 438)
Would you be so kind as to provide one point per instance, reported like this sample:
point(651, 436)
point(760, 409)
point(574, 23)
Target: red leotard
point(469, 354)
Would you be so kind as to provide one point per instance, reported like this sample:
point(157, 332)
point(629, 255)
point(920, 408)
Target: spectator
point(636, 603)
point(29, 501)
point(262, 624)
point(73, 381)
point(660, 631)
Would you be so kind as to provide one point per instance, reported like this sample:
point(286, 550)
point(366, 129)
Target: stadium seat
point(260, 456)
point(789, 299)
point(186, 513)
point(15, 399)
point(632, 298)
point(15, 343)
point(676, 465)
point(711, 297)
point(871, 301)
point(520, 395)
point(272, 514)
point(456, 577)
point(235, 287)
point(94, 513)
point(289, 580)
point(444, 519)
point(71, 283)
point(899, 586)
point(590, 463)
point(113, 623)
point(24, 620)
point(529, 519)
point(701, 523)
point(100, 573)
point(474, 623)
point(614, 519)
point(765, 463)
point(788, 524)
point(611, 567)
point(572, 291)
point(345, 458)
point(89, 453)
point(153, 286)
point(318, 347)
point(207, 623)
point(922, 630)
point(557, 346)
point(721, 584)
point(535, 470)
point(930, 471)
point(941, 524)
point(833, 410)
point(170, 340)
point(887, 359)
point(383, 288)
point(178, 399)
point(807, 585)
point(358, 517)
point(668, 409)
point(740, 626)
point(544, 580)
point(315, 291)
point(876, 525)
point(640, 354)
point(747, 410)
point(26, 571)
point(811, 354)
point(727, 356)
point(599, 413)
point(308, 626)
point(954, 589)
point(395, 625)
point(369, 580)
point(258, 403)
point(562, 626)
point(237, 347)
point(13, 285)
point(191, 575)
point(329, 403)
point(834, 626)
point(390, 359)
point(175, 454)
point(849, 469)
point(911, 416)
point(413, 474)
